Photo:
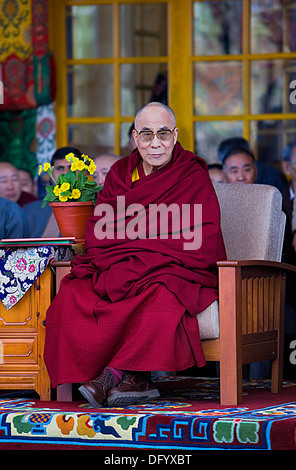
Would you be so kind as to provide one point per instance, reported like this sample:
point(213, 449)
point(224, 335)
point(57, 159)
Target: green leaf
point(87, 196)
point(71, 178)
point(81, 180)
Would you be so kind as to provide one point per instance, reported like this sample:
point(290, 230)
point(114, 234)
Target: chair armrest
point(255, 289)
point(258, 263)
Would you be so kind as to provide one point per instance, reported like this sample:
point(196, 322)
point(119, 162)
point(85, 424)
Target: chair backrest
point(252, 221)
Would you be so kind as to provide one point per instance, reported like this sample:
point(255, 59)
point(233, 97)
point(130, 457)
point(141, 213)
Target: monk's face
point(155, 153)
point(240, 168)
point(10, 183)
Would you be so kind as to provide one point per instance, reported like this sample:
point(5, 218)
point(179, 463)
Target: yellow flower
point(92, 168)
point(63, 198)
point(74, 165)
point(76, 194)
point(56, 190)
point(69, 156)
point(80, 165)
point(40, 169)
point(64, 187)
point(46, 167)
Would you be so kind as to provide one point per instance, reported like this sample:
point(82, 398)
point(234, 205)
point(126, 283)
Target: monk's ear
point(175, 135)
point(135, 136)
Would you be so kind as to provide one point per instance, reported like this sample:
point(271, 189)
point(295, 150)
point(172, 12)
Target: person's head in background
point(238, 161)
point(59, 162)
point(27, 181)
point(216, 173)
point(10, 183)
point(103, 163)
point(289, 162)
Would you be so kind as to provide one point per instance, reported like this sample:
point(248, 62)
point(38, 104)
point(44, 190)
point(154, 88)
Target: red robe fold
point(131, 300)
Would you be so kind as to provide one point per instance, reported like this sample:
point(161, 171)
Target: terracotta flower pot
point(72, 217)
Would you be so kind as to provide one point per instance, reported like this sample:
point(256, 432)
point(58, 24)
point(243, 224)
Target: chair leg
point(64, 392)
point(230, 337)
point(277, 365)
point(230, 381)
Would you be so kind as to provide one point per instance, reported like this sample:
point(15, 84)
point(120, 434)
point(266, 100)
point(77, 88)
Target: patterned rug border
point(171, 422)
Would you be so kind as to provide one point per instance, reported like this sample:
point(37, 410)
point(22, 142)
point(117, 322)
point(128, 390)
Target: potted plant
point(72, 196)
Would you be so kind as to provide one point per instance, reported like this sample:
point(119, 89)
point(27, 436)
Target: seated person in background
point(266, 174)
point(103, 163)
point(289, 166)
point(216, 173)
point(10, 185)
point(13, 222)
point(27, 181)
point(240, 166)
point(129, 305)
point(41, 220)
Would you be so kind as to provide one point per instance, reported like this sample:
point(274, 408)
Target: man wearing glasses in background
point(129, 305)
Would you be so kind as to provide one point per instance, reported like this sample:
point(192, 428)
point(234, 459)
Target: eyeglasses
point(148, 136)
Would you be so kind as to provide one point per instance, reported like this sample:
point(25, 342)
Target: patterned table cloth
point(19, 269)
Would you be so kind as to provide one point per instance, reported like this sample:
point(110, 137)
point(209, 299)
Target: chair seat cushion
point(208, 322)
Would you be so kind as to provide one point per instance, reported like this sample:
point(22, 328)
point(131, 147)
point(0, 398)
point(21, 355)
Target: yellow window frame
point(180, 65)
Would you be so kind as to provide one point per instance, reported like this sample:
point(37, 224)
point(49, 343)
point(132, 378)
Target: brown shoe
point(95, 391)
point(133, 389)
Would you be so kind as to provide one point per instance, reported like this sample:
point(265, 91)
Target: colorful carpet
point(186, 417)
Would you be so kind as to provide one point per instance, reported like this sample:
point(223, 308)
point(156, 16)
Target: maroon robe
point(25, 198)
point(132, 303)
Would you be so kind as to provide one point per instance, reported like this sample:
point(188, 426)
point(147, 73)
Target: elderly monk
point(129, 305)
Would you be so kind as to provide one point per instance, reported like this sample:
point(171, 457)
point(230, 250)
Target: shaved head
point(155, 104)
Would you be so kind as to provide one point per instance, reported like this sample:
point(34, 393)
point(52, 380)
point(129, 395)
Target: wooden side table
point(62, 268)
point(22, 336)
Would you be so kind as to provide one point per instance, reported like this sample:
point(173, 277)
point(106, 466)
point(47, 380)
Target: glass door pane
point(270, 86)
point(141, 83)
point(208, 136)
point(217, 27)
point(273, 26)
point(218, 88)
point(90, 90)
point(89, 31)
point(143, 30)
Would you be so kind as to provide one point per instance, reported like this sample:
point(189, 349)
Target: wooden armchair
point(249, 326)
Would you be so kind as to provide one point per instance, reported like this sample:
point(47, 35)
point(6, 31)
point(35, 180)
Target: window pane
point(127, 143)
point(143, 30)
point(90, 90)
point(141, 83)
point(273, 26)
point(218, 88)
point(92, 139)
point(270, 86)
point(89, 31)
point(208, 136)
point(269, 139)
point(217, 27)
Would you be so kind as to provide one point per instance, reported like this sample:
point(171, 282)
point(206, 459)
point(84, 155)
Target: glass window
point(270, 86)
point(89, 31)
point(90, 90)
point(127, 143)
point(143, 30)
point(269, 138)
point(217, 27)
point(218, 88)
point(273, 26)
point(208, 136)
point(141, 83)
point(92, 139)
